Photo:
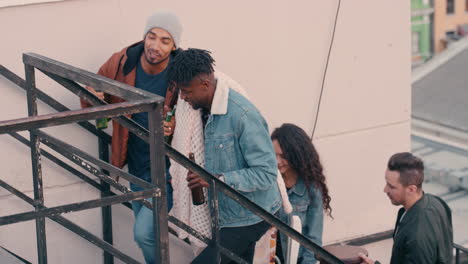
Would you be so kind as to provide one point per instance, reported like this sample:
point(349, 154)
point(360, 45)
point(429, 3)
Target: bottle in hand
point(198, 197)
point(169, 116)
point(101, 123)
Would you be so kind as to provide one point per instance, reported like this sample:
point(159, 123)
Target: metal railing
point(373, 238)
point(137, 101)
point(459, 248)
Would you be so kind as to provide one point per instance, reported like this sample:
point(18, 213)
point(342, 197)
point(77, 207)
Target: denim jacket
point(238, 146)
point(311, 214)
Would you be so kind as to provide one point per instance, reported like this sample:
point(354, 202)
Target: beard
point(157, 60)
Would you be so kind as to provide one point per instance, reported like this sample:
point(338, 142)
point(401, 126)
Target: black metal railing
point(458, 249)
point(137, 101)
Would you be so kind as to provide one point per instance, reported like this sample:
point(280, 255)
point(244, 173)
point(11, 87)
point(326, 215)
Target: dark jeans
point(240, 240)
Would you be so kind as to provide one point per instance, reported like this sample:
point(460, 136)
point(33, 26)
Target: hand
point(98, 94)
point(195, 181)
point(365, 259)
point(169, 126)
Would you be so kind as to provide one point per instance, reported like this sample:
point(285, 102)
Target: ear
point(412, 188)
point(205, 83)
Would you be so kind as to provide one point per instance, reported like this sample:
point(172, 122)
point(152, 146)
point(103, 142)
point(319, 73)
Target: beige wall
point(276, 49)
point(444, 22)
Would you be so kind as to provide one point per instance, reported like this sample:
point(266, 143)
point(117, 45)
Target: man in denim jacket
point(237, 148)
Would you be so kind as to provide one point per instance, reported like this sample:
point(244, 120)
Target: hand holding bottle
point(169, 123)
point(196, 184)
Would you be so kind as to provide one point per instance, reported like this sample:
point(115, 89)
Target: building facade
point(421, 31)
point(450, 22)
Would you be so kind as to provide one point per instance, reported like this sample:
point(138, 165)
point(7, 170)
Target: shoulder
point(121, 58)
point(241, 104)
point(435, 207)
point(109, 67)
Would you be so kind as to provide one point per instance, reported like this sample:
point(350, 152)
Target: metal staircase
point(137, 100)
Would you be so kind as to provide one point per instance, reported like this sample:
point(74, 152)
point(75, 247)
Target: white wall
point(276, 49)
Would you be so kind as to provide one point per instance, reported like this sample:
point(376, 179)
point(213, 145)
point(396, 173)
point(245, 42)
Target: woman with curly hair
point(299, 165)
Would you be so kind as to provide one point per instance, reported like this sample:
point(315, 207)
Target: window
point(450, 7)
point(5, 3)
point(415, 43)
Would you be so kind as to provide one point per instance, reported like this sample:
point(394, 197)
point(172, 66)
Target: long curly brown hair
point(303, 158)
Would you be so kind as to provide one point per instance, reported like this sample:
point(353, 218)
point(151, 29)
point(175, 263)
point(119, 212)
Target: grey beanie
point(167, 21)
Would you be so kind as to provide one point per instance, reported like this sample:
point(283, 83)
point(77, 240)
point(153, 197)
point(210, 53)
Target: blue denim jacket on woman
point(238, 146)
point(311, 214)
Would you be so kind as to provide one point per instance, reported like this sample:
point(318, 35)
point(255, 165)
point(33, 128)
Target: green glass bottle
point(169, 116)
point(101, 123)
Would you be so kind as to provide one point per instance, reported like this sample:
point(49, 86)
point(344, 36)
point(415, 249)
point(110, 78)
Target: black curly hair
point(303, 158)
point(188, 64)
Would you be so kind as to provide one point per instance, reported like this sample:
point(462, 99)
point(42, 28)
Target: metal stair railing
point(61, 149)
point(138, 101)
point(459, 248)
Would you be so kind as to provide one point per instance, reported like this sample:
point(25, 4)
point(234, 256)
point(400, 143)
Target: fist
point(195, 181)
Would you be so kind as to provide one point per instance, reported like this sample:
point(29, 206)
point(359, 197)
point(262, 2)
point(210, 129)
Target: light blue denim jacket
point(311, 214)
point(238, 146)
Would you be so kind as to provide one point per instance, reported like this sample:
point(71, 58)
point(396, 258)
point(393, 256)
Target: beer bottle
point(198, 197)
point(101, 123)
point(169, 116)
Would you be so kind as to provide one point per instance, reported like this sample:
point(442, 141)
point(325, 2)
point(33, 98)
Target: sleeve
point(312, 227)
point(109, 70)
point(257, 150)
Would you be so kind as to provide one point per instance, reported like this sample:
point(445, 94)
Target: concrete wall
point(444, 22)
point(276, 49)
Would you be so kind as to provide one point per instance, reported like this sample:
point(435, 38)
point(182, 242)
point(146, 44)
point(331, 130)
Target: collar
point(421, 203)
point(299, 188)
point(134, 52)
point(133, 55)
point(221, 96)
point(400, 222)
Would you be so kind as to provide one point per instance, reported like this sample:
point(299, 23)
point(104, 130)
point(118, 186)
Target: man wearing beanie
point(143, 65)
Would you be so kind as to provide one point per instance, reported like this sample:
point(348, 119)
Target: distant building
point(421, 31)
point(450, 22)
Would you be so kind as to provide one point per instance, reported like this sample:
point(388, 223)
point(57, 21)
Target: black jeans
point(240, 240)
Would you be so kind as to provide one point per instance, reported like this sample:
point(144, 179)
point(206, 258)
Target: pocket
point(300, 208)
point(224, 153)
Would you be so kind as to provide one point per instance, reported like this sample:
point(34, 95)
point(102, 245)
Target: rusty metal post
point(215, 220)
point(158, 178)
point(107, 234)
point(36, 166)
